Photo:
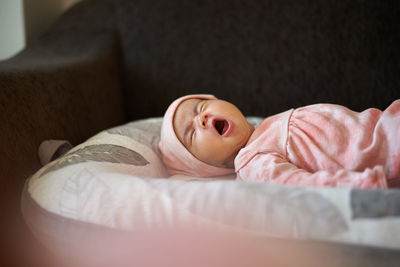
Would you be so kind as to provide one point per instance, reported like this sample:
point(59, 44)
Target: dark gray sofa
point(106, 62)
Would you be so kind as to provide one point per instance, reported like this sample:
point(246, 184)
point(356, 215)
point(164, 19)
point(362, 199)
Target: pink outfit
point(325, 145)
point(175, 156)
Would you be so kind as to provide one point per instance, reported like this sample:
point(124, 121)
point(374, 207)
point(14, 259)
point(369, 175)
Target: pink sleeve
point(273, 168)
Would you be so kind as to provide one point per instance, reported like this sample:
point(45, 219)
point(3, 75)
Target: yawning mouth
point(222, 127)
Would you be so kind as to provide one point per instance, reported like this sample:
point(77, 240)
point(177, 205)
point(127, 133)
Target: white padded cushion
point(116, 179)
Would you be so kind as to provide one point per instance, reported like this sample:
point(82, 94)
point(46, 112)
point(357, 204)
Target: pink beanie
point(176, 157)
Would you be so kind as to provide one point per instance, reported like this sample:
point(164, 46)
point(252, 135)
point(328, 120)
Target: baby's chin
point(229, 162)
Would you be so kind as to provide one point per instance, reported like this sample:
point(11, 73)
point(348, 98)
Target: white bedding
point(116, 179)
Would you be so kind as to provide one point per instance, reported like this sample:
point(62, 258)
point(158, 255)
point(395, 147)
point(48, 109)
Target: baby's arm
point(274, 168)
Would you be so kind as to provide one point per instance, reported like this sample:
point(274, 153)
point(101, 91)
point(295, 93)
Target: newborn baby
point(316, 145)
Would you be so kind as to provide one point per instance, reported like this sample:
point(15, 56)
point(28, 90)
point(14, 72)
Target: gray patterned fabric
point(375, 204)
point(100, 153)
point(143, 132)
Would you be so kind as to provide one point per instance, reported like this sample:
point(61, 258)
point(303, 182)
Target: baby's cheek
point(211, 150)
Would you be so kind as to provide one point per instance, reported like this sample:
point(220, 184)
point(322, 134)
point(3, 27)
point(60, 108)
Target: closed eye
point(202, 105)
point(199, 108)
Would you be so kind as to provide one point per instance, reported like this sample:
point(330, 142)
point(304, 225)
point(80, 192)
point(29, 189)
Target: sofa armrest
point(65, 85)
point(62, 97)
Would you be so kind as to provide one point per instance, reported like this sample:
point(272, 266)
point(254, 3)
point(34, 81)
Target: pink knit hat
point(176, 157)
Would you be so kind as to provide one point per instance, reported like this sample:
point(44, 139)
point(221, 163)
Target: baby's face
point(212, 130)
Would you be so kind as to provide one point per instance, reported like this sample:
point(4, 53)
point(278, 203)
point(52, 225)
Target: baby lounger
point(115, 185)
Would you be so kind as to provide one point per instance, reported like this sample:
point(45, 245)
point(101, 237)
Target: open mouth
point(222, 127)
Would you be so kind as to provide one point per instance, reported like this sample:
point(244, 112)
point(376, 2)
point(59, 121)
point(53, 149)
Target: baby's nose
point(202, 120)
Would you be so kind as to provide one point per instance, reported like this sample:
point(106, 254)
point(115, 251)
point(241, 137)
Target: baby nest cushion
point(117, 180)
point(131, 149)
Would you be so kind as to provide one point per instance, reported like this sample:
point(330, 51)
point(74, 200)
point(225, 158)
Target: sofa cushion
point(287, 55)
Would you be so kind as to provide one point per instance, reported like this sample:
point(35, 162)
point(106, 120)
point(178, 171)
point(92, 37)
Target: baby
point(316, 145)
